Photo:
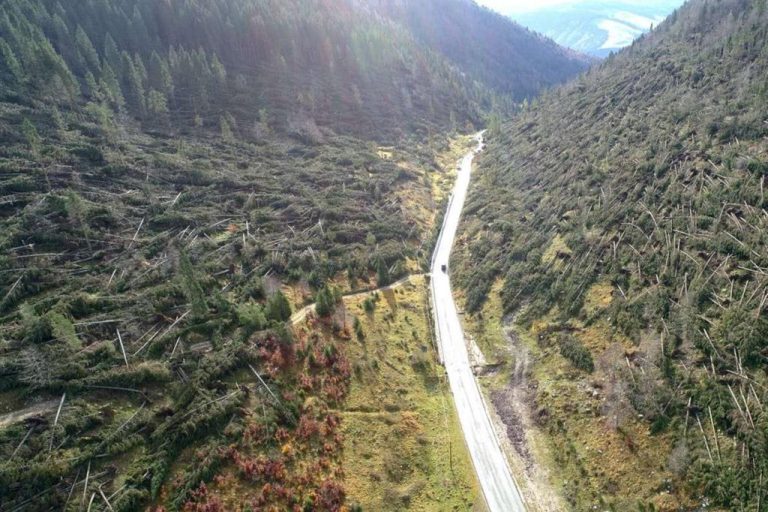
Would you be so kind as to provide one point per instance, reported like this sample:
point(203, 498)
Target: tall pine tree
point(133, 87)
point(87, 51)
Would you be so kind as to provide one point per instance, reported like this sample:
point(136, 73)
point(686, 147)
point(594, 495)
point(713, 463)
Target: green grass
point(404, 449)
point(600, 450)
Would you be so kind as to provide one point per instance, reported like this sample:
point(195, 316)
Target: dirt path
point(302, 313)
point(28, 412)
point(515, 413)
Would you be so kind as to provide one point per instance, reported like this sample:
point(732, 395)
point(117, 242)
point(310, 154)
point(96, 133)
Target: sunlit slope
point(297, 65)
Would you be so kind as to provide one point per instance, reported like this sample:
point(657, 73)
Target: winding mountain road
point(499, 488)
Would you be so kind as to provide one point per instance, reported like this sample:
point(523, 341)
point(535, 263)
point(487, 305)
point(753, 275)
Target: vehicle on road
point(443, 268)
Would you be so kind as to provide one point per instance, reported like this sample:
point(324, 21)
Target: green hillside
point(296, 65)
point(625, 214)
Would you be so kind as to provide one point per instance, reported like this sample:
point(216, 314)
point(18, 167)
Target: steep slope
point(185, 64)
point(486, 46)
point(625, 216)
point(173, 182)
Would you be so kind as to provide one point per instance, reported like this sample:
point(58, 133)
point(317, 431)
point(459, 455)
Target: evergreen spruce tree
point(87, 51)
point(382, 274)
point(52, 73)
point(325, 301)
point(30, 133)
point(157, 106)
point(60, 32)
point(141, 68)
point(9, 65)
point(226, 129)
point(110, 86)
point(159, 77)
point(139, 32)
point(58, 119)
point(219, 74)
point(134, 90)
point(278, 308)
point(200, 77)
point(111, 53)
point(92, 89)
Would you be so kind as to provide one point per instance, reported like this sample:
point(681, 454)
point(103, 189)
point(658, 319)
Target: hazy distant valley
point(597, 27)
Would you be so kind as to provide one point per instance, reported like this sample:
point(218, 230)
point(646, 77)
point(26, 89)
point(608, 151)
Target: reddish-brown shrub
point(330, 496)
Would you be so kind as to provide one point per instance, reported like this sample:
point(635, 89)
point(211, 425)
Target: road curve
point(499, 488)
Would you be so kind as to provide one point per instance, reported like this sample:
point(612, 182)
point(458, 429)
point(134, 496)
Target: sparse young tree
point(30, 133)
point(326, 301)
point(226, 129)
point(278, 308)
point(382, 274)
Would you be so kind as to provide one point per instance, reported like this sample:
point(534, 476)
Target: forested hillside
point(176, 178)
point(626, 217)
point(487, 46)
point(294, 65)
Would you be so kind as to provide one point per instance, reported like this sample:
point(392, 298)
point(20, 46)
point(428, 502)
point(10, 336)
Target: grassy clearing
point(582, 433)
point(403, 446)
point(442, 183)
point(486, 328)
point(507, 374)
point(598, 297)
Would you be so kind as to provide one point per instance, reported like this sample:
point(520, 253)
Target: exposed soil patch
point(514, 402)
point(506, 407)
point(28, 412)
point(515, 407)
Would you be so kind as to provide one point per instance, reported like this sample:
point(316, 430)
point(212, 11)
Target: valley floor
point(403, 447)
point(499, 487)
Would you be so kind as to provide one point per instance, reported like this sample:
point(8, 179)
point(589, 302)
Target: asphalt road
point(499, 488)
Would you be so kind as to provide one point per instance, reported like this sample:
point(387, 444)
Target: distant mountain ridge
point(490, 47)
point(597, 27)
